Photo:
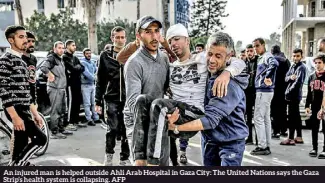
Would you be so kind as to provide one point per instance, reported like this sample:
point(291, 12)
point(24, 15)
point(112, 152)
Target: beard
point(30, 50)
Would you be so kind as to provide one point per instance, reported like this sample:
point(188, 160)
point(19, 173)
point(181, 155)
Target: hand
point(137, 42)
point(172, 118)
point(50, 77)
point(98, 109)
point(162, 40)
point(293, 77)
point(220, 85)
point(307, 110)
point(268, 81)
point(18, 123)
point(320, 114)
point(38, 120)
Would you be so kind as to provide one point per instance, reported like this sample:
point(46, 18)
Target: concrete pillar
point(303, 42)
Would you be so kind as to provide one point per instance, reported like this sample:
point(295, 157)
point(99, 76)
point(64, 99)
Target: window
point(60, 3)
point(322, 5)
point(6, 6)
point(73, 3)
point(40, 4)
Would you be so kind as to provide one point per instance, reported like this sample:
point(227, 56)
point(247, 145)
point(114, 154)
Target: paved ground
point(86, 148)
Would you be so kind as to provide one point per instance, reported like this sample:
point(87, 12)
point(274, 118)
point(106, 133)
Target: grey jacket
point(145, 74)
point(55, 64)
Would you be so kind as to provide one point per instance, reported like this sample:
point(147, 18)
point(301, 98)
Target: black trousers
point(250, 103)
point(22, 150)
point(173, 151)
point(315, 127)
point(279, 114)
point(295, 123)
point(115, 126)
point(74, 102)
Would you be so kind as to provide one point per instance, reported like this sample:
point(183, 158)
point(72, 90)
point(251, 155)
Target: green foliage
point(206, 17)
point(60, 27)
point(274, 39)
point(197, 40)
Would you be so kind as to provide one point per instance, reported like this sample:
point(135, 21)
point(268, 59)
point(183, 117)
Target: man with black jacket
point(316, 87)
point(110, 86)
point(251, 66)
point(278, 106)
point(74, 69)
point(295, 78)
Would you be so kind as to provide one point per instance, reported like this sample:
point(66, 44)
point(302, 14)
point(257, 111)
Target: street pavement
point(87, 147)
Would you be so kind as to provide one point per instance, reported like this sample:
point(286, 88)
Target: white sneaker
point(108, 160)
point(125, 163)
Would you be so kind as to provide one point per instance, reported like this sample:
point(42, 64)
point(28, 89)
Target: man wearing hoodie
point(295, 78)
point(88, 88)
point(74, 69)
point(223, 126)
point(316, 88)
point(187, 83)
point(264, 84)
point(110, 88)
point(278, 106)
point(53, 68)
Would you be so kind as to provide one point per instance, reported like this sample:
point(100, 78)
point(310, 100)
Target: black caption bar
point(102, 174)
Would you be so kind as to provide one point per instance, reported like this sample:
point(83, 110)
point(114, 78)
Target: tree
point(138, 9)
point(206, 17)
point(165, 5)
point(238, 47)
point(57, 27)
point(273, 40)
point(19, 12)
point(197, 40)
point(91, 7)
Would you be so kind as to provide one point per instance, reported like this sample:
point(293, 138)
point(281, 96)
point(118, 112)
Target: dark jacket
point(266, 68)
point(110, 80)
point(251, 67)
point(55, 64)
point(280, 83)
point(294, 88)
point(316, 87)
point(31, 62)
point(224, 118)
point(73, 69)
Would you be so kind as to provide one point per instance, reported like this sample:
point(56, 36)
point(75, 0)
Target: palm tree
point(19, 12)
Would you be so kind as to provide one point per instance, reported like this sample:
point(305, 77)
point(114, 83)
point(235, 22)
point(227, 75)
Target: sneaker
point(276, 136)
point(82, 125)
point(91, 123)
point(125, 163)
point(313, 153)
point(99, 121)
point(299, 140)
point(321, 155)
point(71, 127)
point(183, 158)
point(260, 151)
point(288, 142)
point(58, 136)
point(108, 160)
point(5, 152)
point(29, 164)
point(66, 132)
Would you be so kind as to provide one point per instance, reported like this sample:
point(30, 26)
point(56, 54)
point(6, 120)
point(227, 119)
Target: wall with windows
point(7, 14)
point(320, 8)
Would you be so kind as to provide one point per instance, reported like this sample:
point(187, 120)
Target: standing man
point(110, 88)
point(74, 69)
point(88, 88)
point(17, 101)
point(278, 106)
point(250, 92)
point(243, 55)
point(223, 126)
point(53, 68)
point(264, 84)
point(316, 88)
point(295, 78)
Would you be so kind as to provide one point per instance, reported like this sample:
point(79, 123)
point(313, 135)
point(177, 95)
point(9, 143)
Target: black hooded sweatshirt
point(283, 68)
point(74, 69)
point(316, 87)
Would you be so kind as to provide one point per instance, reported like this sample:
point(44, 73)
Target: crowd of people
point(154, 90)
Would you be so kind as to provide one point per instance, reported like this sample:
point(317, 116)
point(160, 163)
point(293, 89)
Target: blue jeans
point(223, 153)
point(88, 97)
point(183, 143)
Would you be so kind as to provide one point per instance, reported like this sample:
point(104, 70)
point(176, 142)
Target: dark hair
point(298, 50)
point(242, 51)
point(200, 45)
point(275, 49)
point(69, 42)
point(86, 49)
point(117, 29)
point(249, 46)
point(261, 40)
point(30, 35)
point(320, 57)
point(11, 30)
point(57, 43)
